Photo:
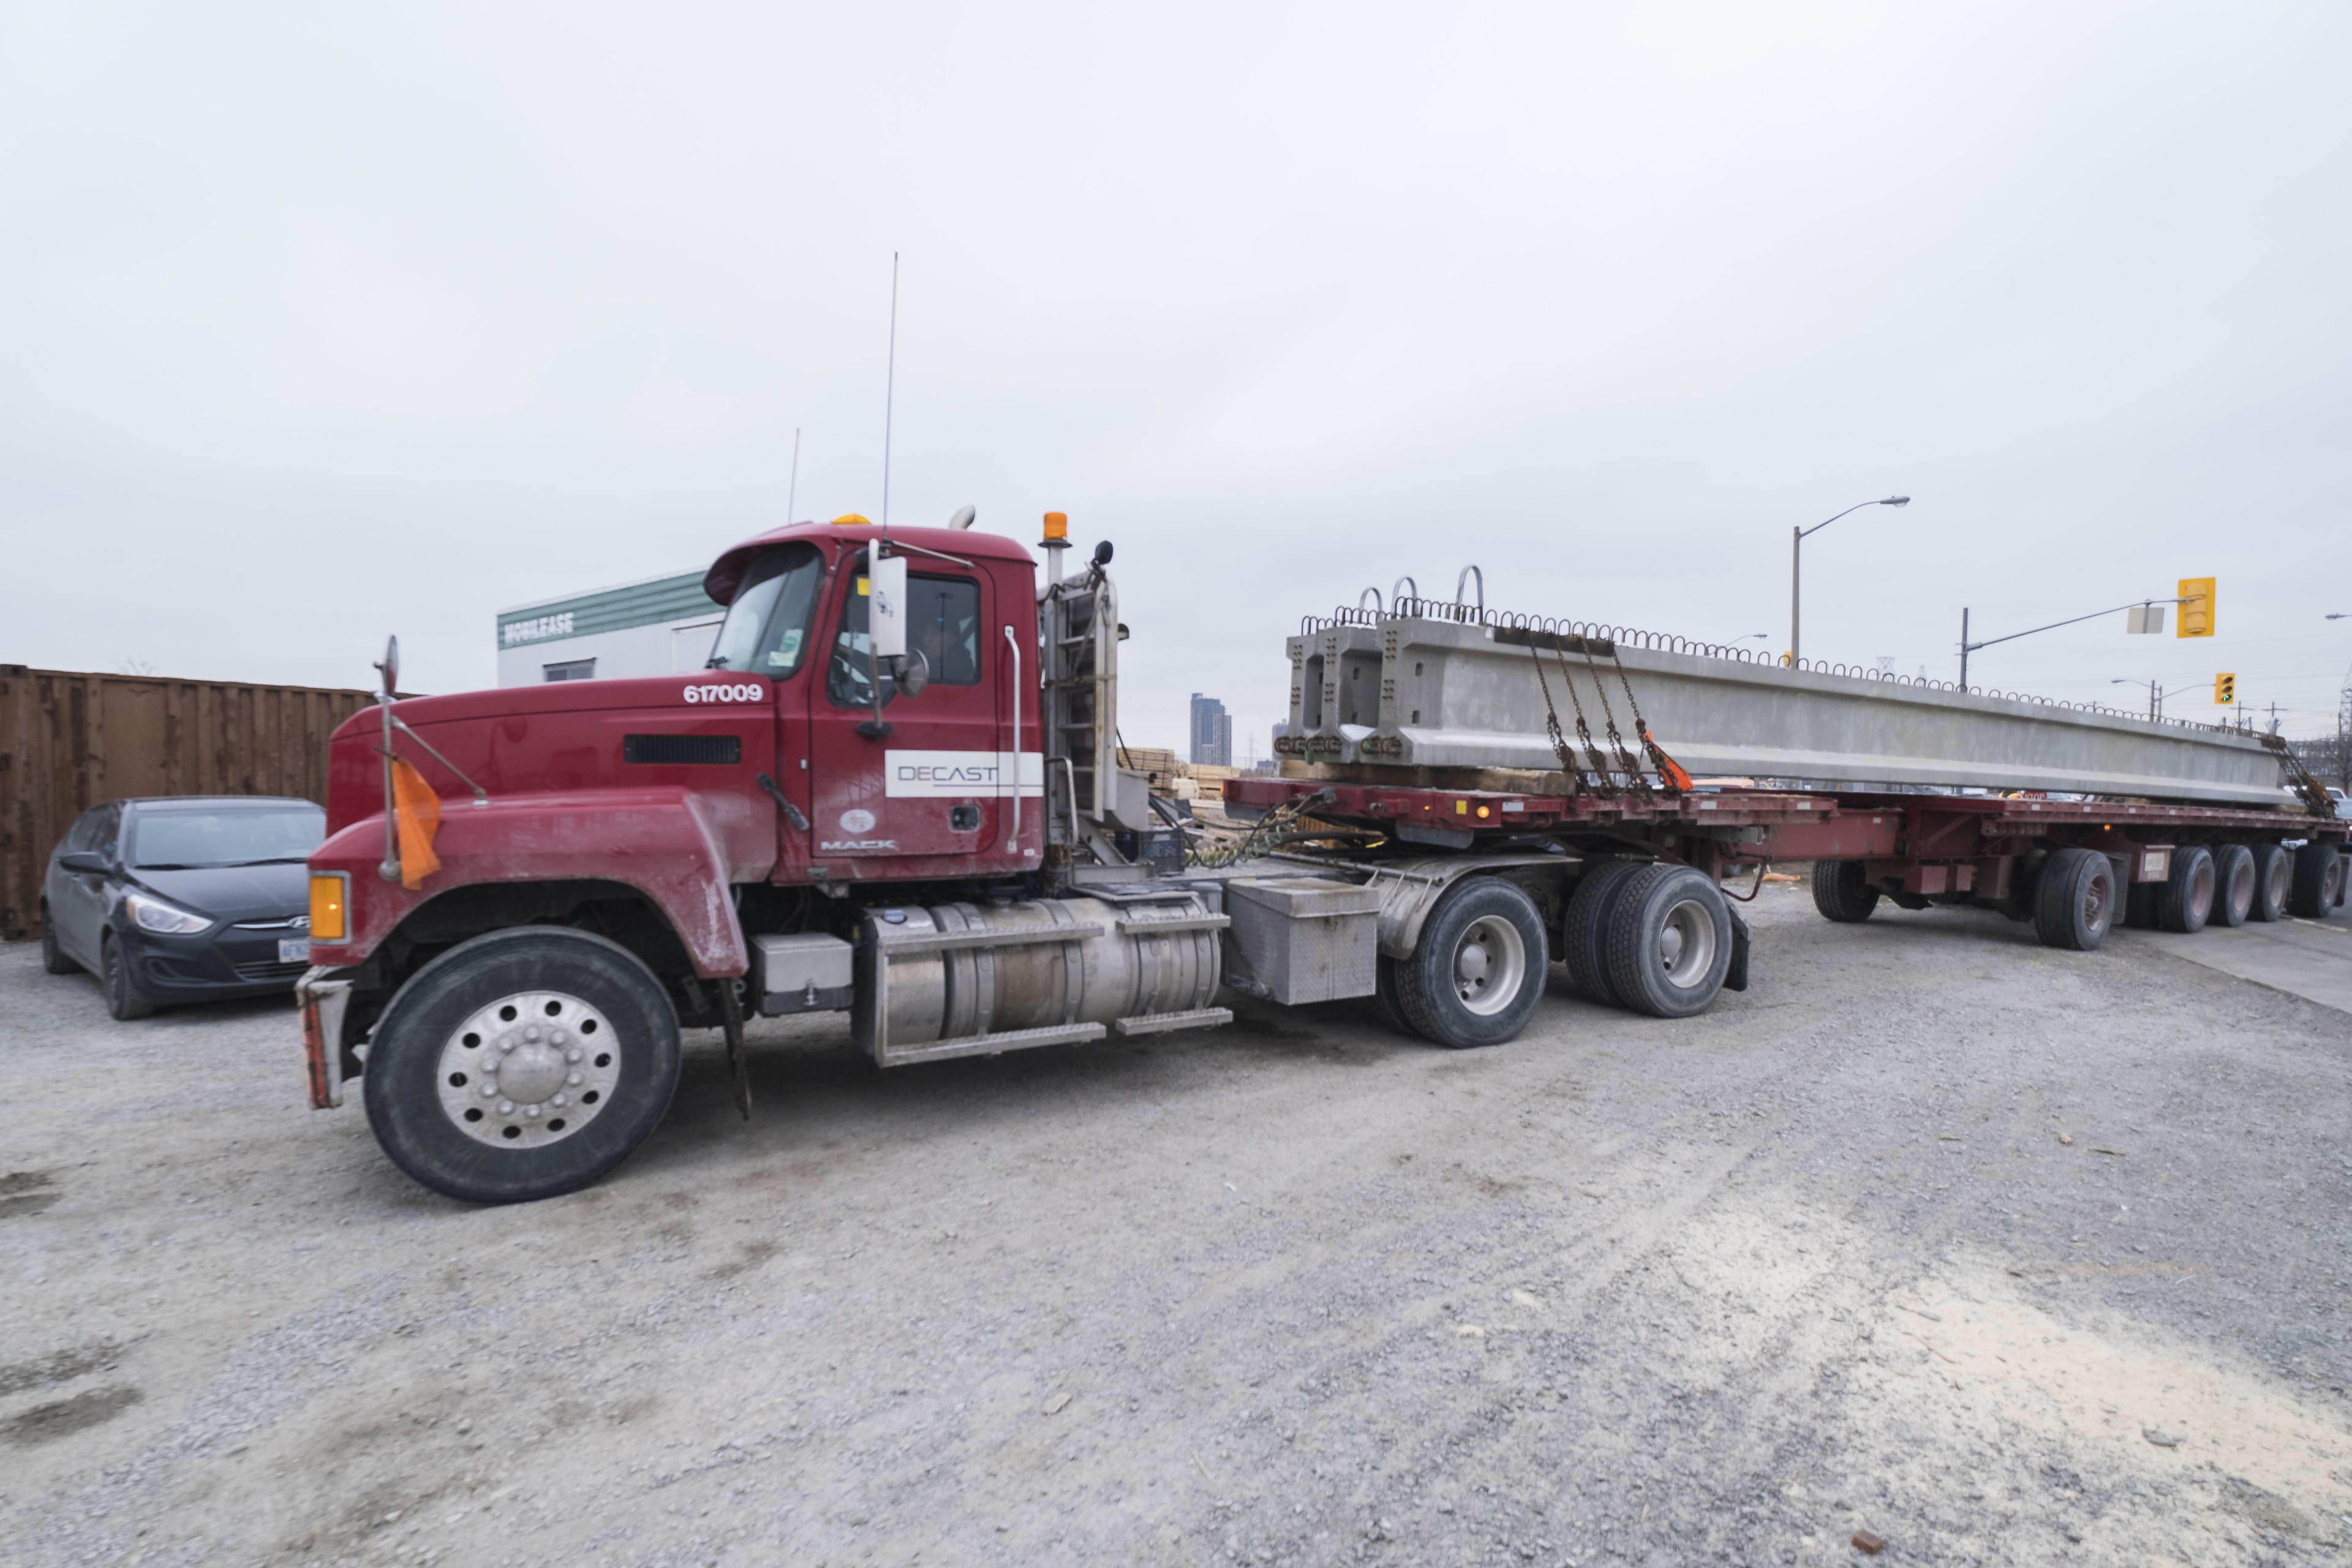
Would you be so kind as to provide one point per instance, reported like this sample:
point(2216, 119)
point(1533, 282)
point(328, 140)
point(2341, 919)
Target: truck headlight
point(154, 914)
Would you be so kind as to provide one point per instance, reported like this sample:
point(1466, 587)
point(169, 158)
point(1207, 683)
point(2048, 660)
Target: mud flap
point(1736, 977)
point(739, 1059)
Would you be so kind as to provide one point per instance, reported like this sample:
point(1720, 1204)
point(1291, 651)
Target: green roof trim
point(648, 604)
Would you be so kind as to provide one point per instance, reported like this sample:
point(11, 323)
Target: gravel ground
point(2005, 1255)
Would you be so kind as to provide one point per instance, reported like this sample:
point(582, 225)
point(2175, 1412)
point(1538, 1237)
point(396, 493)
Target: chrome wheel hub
point(1686, 944)
point(529, 1070)
point(1490, 965)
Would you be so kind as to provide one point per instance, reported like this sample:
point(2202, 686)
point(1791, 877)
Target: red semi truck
point(896, 793)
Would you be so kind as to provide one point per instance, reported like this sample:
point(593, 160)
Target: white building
point(662, 626)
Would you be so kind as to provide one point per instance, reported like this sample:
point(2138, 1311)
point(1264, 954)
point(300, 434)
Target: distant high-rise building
point(1213, 732)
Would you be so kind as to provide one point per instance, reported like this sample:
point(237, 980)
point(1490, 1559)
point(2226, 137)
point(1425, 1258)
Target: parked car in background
point(183, 898)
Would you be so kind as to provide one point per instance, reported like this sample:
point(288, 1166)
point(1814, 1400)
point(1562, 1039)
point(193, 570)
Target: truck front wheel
point(1478, 970)
point(521, 1064)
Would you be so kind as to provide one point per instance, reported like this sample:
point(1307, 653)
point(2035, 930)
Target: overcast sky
point(318, 322)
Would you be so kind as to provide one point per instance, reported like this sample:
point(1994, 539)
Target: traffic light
point(2225, 690)
point(2196, 608)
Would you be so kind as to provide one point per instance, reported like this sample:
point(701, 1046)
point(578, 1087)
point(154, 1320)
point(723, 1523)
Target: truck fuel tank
point(977, 979)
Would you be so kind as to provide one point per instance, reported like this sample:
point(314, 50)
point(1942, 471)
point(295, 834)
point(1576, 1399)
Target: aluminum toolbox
point(1301, 939)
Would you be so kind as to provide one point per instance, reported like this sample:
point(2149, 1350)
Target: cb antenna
point(889, 390)
point(792, 496)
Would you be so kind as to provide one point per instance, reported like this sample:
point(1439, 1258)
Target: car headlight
point(154, 914)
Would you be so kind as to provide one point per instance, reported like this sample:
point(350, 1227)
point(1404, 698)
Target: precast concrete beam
point(1414, 692)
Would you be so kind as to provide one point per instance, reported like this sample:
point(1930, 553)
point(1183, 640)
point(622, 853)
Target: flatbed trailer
point(2074, 867)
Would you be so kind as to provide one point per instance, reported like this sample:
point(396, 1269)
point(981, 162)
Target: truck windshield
point(767, 625)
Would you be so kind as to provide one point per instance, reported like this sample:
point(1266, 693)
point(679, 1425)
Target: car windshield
point(767, 625)
point(233, 836)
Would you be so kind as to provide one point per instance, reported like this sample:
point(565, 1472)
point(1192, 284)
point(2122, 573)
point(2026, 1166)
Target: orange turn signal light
point(1057, 525)
point(330, 906)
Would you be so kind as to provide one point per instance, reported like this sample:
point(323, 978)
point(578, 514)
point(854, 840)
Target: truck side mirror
point(1102, 554)
point(912, 671)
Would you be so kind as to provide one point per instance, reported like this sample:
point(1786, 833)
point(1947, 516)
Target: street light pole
point(1797, 561)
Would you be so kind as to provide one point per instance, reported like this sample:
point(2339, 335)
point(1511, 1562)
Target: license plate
point(294, 950)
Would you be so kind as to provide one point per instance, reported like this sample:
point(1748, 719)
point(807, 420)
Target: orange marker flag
point(416, 817)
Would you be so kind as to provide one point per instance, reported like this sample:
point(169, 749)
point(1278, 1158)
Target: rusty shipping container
point(69, 740)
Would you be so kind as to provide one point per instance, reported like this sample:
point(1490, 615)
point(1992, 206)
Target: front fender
point(658, 841)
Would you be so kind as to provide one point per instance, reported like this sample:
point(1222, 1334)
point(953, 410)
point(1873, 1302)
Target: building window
point(571, 669)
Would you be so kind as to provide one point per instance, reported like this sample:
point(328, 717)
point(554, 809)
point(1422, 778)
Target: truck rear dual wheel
point(1477, 972)
point(2075, 902)
point(2318, 881)
point(1584, 932)
point(521, 1064)
point(1669, 941)
point(2273, 882)
point(1841, 892)
point(2187, 900)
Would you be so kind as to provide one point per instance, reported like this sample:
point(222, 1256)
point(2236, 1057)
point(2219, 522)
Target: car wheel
point(2234, 884)
point(521, 1064)
point(53, 957)
point(2075, 901)
point(123, 1000)
point(1478, 970)
point(1670, 943)
point(2273, 882)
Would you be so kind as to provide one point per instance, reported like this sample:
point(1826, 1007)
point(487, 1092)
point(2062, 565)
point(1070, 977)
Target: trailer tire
point(2076, 901)
point(1670, 943)
point(1584, 929)
point(2187, 902)
point(2318, 881)
point(2273, 882)
point(2234, 884)
point(1477, 970)
point(610, 998)
point(1841, 892)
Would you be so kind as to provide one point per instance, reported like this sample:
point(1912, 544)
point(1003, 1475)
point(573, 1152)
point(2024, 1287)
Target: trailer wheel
point(1478, 969)
point(521, 1064)
point(1841, 892)
point(2234, 884)
point(1584, 931)
point(2318, 881)
point(2188, 898)
point(2075, 902)
point(1670, 943)
point(2273, 882)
